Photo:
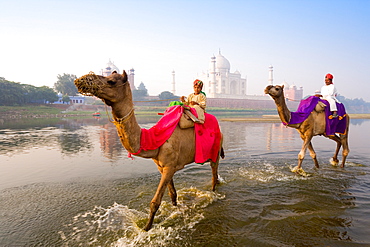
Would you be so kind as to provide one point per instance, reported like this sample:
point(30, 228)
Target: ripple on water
point(266, 172)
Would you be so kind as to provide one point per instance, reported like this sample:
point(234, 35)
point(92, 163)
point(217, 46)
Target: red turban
point(329, 76)
point(199, 82)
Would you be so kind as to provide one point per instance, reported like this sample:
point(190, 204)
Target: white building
point(292, 92)
point(110, 67)
point(219, 82)
point(79, 99)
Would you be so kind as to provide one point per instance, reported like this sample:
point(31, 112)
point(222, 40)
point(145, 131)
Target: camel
point(178, 151)
point(314, 125)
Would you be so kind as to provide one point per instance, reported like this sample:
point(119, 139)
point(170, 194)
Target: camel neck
point(283, 110)
point(128, 129)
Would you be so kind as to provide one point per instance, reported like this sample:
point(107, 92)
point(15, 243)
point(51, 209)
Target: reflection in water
point(274, 136)
point(19, 141)
point(73, 143)
point(109, 142)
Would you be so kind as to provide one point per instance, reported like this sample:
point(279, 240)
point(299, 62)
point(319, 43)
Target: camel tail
point(222, 153)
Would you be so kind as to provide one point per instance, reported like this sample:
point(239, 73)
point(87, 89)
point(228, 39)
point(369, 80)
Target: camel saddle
point(187, 119)
point(320, 107)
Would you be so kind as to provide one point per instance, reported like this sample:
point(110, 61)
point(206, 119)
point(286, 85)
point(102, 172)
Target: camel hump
point(320, 107)
point(185, 122)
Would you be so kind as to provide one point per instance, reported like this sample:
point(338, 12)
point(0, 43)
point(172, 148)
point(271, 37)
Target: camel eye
point(277, 89)
point(111, 82)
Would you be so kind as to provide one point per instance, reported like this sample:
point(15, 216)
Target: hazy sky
point(303, 40)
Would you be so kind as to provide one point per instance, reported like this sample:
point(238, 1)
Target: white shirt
point(199, 98)
point(329, 91)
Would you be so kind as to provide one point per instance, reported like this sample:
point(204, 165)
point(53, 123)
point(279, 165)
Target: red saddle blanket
point(207, 135)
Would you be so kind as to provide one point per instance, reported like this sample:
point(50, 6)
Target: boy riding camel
point(196, 100)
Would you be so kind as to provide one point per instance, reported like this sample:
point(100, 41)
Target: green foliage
point(139, 94)
point(13, 93)
point(65, 85)
point(355, 105)
point(48, 94)
point(167, 95)
point(66, 98)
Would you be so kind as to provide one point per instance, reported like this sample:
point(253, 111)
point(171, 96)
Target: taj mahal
point(219, 82)
point(110, 67)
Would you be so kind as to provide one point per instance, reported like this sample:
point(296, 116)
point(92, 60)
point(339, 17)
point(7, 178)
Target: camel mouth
point(87, 85)
point(267, 89)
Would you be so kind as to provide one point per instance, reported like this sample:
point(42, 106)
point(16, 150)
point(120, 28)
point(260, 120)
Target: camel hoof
point(334, 162)
point(147, 228)
point(294, 169)
point(299, 171)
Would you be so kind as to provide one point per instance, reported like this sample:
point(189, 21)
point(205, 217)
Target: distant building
point(219, 82)
point(292, 92)
point(80, 99)
point(110, 67)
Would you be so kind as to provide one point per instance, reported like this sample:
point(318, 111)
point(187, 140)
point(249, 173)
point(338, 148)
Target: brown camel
point(312, 126)
point(173, 155)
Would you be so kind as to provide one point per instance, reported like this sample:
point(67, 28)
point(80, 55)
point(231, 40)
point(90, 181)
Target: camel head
point(110, 89)
point(275, 91)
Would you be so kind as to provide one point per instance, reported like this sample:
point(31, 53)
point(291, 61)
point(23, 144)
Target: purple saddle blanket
point(333, 125)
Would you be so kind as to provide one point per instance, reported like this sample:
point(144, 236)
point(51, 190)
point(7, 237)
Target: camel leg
point(302, 153)
point(214, 166)
point(344, 141)
point(313, 155)
point(339, 145)
point(345, 150)
point(167, 175)
point(172, 192)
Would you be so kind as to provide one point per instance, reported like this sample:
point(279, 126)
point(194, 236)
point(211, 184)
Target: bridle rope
point(124, 118)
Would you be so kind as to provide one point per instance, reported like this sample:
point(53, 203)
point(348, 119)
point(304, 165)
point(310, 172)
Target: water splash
point(266, 172)
point(119, 225)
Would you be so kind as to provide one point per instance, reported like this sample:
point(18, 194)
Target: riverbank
point(73, 111)
point(275, 118)
point(85, 111)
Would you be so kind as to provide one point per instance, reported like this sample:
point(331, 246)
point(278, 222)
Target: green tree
point(66, 98)
point(166, 95)
point(65, 84)
point(47, 94)
point(11, 93)
point(42, 94)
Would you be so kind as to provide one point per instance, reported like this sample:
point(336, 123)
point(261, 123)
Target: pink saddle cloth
point(207, 135)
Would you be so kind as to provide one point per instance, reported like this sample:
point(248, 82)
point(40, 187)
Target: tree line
point(14, 93)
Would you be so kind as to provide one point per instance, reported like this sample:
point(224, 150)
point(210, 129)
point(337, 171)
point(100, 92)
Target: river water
point(67, 182)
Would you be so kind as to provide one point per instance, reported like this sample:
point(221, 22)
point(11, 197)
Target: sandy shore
point(276, 119)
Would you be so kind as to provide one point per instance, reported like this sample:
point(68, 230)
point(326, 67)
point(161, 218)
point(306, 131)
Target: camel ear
point(124, 76)
point(282, 86)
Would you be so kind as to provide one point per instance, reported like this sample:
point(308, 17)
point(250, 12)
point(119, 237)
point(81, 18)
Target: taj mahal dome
point(219, 82)
point(110, 67)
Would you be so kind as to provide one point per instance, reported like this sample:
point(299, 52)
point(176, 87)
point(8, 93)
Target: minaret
point(271, 77)
point(173, 83)
point(213, 76)
point(131, 78)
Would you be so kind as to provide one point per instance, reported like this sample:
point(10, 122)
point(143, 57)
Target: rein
point(122, 119)
point(119, 121)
